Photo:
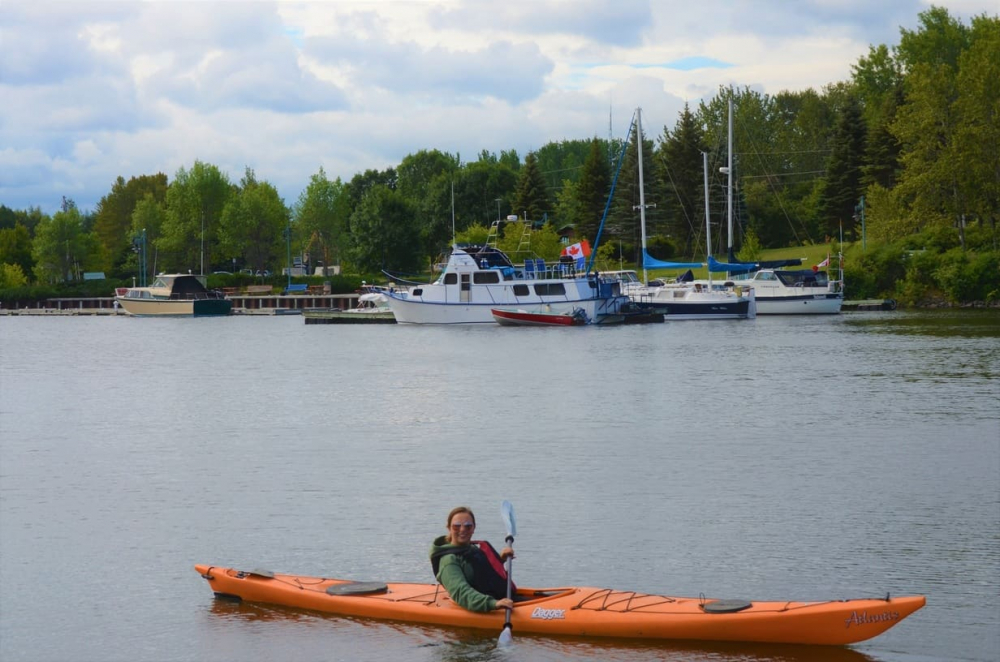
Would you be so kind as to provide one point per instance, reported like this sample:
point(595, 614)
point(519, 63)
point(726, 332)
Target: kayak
point(578, 611)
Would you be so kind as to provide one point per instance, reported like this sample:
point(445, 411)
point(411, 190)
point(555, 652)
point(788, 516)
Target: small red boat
point(520, 317)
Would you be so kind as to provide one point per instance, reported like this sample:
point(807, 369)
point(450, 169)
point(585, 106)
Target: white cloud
point(96, 90)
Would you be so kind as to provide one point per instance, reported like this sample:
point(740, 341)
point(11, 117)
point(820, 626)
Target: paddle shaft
point(510, 582)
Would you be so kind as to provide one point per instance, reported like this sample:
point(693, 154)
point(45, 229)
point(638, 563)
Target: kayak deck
point(579, 611)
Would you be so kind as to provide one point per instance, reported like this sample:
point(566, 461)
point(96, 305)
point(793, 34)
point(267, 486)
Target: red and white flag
point(579, 251)
point(824, 263)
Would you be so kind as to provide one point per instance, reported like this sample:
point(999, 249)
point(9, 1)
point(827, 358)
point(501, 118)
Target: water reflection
point(444, 644)
point(971, 323)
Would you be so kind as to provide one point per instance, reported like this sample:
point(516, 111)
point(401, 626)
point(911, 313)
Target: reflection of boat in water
point(579, 611)
point(479, 279)
point(464, 644)
point(372, 308)
point(178, 295)
point(521, 317)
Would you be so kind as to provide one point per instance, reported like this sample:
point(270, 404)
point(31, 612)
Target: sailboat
point(778, 291)
point(684, 299)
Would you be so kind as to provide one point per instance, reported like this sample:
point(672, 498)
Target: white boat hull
point(426, 312)
point(817, 304)
point(478, 279)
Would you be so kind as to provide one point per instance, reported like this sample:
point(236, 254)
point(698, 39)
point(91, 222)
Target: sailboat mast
point(642, 193)
point(708, 231)
point(729, 172)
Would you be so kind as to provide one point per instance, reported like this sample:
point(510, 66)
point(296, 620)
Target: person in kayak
point(470, 570)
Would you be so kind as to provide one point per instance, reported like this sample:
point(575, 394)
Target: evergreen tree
point(842, 185)
point(531, 197)
point(679, 155)
point(592, 190)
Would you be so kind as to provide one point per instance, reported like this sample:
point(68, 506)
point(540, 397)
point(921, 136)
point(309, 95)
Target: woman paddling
point(470, 570)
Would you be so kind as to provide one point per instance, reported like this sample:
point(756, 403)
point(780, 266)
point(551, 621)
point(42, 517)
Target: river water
point(778, 458)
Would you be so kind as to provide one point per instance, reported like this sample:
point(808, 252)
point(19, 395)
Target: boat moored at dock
point(478, 279)
point(177, 295)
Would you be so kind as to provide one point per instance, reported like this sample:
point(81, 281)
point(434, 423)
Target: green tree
point(321, 218)
point(253, 224)
point(15, 247)
point(531, 197)
point(591, 193)
point(11, 276)
point(113, 216)
point(383, 234)
point(425, 181)
point(148, 217)
point(195, 200)
point(679, 153)
point(977, 133)
point(61, 247)
point(842, 185)
point(484, 190)
point(623, 223)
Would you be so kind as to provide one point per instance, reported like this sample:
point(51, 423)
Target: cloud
point(96, 90)
point(499, 70)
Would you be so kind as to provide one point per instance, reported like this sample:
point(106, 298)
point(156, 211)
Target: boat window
point(450, 279)
point(550, 289)
point(486, 277)
point(520, 290)
point(417, 292)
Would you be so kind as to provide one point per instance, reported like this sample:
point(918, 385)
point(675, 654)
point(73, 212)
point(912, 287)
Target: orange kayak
point(581, 611)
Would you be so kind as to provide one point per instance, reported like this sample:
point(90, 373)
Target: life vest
point(488, 574)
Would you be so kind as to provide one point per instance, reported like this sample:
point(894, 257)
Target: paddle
point(507, 512)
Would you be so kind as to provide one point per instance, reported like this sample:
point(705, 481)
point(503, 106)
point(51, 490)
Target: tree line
point(909, 145)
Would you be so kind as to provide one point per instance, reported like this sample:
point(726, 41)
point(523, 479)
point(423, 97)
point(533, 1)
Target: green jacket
point(455, 573)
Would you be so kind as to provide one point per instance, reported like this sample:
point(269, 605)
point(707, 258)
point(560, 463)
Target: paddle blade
point(506, 638)
point(507, 512)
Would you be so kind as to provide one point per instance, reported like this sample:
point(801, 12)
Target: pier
point(243, 304)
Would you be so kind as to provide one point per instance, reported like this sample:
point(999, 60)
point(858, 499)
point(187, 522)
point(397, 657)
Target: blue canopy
point(740, 268)
point(650, 262)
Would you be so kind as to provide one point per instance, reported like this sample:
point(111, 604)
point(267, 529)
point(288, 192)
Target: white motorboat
point(177, 295)
point(477, 279)
point(796, 292)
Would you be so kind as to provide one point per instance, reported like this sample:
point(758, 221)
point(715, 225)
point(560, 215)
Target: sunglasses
point(464, 525)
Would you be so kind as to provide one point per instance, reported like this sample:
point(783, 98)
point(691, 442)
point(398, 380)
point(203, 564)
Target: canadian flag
point(579, 251)
point(824, 263)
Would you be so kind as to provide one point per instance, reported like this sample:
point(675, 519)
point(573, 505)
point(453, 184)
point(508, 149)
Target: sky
point(90, 91)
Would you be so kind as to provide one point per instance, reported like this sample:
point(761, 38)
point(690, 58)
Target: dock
point(243, 304)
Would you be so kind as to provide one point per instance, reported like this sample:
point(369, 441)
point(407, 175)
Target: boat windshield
point(803, 278)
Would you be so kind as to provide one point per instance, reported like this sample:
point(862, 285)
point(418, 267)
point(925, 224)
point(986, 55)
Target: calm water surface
point(779, 458)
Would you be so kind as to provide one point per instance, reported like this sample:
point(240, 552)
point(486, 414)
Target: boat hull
point(510, 317)
point(409, 311)
point(812, 304)
point(702, 310)
point(176, 307)
point(581, 611)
